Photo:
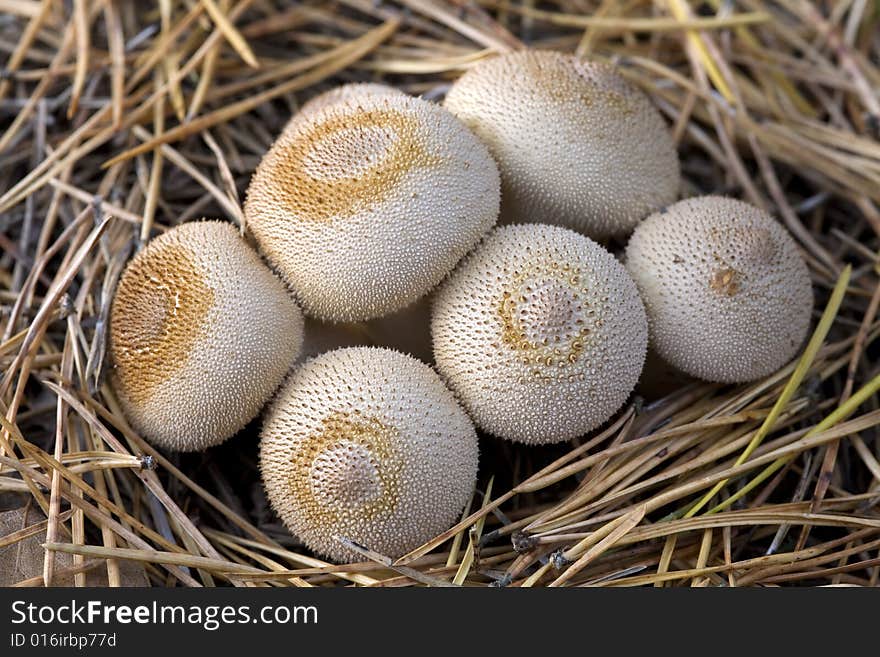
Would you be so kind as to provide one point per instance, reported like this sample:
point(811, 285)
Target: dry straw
point(120, 120)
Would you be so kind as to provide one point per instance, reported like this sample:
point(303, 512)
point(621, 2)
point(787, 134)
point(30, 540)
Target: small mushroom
point(367, 444)
point(540, 333)
point(365, 204)
point(201, 334)
point(576, 144)
point(727, 293)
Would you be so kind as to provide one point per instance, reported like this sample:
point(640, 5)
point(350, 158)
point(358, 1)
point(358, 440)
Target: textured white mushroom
point(576, 144)
point(367, 203)
point(201, 334)
point(349, 91)
point(727, 293)
point(367, 444)
point(540, 333)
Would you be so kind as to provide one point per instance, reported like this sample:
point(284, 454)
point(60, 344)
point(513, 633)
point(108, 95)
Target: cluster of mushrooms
point(371, 200)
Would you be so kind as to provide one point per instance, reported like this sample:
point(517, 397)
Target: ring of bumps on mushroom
point(576, 144)
point(201, 334)
point(540, 332)
point(368, 444)
point(365, 204)
point(727, 294)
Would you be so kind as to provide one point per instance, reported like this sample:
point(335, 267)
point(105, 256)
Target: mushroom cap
point(727, 293)
point(368, 444)
point(367, 203)
point(576, 144)
point(201, 334)
point(353, 90)
point(540, 333)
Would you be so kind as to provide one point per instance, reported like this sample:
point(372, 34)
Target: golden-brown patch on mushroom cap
point(352, 464)
point(158, 314)
point(347, 163)
point(353, 90)
point(201, 334)
point(540, 332)
point(367, 444)
point(364, 205)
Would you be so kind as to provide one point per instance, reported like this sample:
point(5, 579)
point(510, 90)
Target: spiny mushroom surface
point(367, 444)
point(349, 91)
point(576, 144)
point(367, 203)
point(727, 293)
point(540, 333)
point(201, 334)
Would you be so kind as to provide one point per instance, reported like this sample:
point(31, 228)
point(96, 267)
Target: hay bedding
point(118, 120)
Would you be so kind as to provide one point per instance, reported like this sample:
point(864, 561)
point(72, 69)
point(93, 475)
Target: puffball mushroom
point(352, 90)
point(576, 144)
point(367, 203)
point(727, 293)
point(540, 333)
point(367, 444)
point(201, 334)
